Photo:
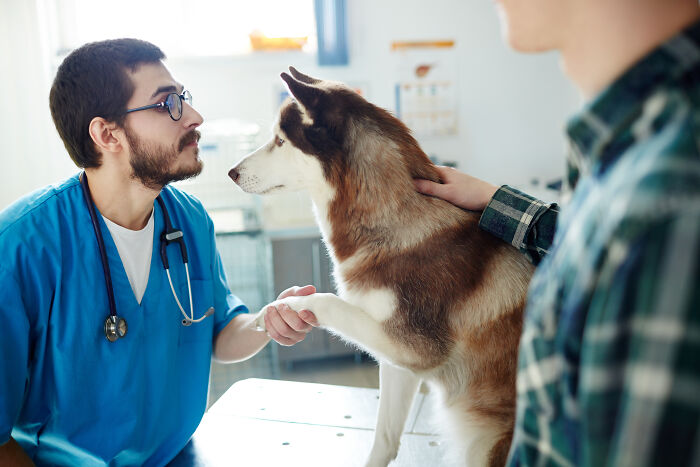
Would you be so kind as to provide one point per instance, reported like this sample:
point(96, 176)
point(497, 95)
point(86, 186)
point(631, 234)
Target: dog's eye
point(279, 141)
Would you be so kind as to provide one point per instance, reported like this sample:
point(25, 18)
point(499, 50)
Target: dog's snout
point(234, 174)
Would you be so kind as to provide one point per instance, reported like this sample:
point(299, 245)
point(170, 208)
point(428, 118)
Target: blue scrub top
point(69, 396)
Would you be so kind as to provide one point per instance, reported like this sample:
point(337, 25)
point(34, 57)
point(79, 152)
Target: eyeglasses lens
point(174, 106)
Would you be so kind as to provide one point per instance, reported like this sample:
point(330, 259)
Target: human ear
point(106, 135)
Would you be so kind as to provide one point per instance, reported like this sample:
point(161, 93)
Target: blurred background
point(441, 66)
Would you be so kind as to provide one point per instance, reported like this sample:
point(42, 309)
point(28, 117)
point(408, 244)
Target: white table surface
point(260, 422)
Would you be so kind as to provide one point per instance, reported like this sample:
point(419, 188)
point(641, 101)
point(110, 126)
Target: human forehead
point(151, 81)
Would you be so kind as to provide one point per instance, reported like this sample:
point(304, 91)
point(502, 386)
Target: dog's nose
point(233, 173)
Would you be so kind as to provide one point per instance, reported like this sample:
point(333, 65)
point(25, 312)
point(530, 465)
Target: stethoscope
point(115, 326)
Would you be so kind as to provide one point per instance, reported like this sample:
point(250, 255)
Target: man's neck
point(604, 44)
point(121, 199)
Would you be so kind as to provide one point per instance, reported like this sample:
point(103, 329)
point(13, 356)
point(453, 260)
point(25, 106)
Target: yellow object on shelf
point(262, 42)
point(440, 44)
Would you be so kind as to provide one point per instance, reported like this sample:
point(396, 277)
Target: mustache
point(191, 137)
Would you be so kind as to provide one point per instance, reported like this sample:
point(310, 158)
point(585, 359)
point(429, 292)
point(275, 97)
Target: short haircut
point(93, 82)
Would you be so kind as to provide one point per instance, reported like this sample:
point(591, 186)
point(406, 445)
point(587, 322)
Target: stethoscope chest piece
point(189, 321)
point(115, 328)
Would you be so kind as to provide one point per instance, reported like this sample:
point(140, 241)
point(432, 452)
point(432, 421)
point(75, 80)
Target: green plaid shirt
point(609, 363)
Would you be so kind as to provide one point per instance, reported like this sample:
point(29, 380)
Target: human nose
point(190, 117)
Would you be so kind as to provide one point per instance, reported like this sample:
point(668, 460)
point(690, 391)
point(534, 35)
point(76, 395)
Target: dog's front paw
point(298, 303)
point(312, 302)
point(260, 320)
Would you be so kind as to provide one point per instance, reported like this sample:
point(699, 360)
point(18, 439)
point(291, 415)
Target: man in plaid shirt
point(609, 362)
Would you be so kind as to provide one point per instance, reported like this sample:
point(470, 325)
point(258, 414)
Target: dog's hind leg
point(398, 388)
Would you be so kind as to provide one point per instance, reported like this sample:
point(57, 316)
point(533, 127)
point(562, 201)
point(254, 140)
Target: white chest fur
point(377, 303)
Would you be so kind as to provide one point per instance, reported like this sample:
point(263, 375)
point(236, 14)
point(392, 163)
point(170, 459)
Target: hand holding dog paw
point(283, 324)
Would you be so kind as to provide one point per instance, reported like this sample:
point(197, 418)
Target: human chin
point(187, 169)
point(156, 166)
point(510, 33)
point(156, 172)
point(193, 150)
point(525, 30)
point(187, 165)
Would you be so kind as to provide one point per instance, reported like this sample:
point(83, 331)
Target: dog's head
point(324, 132)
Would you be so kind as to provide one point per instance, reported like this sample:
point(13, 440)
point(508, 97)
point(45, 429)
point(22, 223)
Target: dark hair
point(93, 82)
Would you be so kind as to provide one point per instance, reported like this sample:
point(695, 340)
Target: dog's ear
point(302, 77)
point(307, 95)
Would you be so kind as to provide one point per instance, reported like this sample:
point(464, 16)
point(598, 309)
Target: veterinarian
point(609, 360)
point(113, 298)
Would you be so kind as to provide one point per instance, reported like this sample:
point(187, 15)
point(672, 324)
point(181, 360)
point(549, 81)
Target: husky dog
point(420, 286)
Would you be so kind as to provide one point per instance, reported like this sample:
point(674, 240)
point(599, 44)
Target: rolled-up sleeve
point(521, 220)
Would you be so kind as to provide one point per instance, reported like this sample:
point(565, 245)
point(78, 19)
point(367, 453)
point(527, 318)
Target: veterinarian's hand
point(286, 326)
point(458, 188)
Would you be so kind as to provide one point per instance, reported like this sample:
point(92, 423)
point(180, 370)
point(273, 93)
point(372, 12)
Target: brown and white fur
point(420, 286)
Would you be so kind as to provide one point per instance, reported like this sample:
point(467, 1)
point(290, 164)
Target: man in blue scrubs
point(68, 395)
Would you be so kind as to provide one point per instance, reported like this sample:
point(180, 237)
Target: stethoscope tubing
point(100, 245)
point(172, 235)
point(188, 319)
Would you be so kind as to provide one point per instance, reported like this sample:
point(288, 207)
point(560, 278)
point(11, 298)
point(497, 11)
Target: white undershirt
point(135, 248)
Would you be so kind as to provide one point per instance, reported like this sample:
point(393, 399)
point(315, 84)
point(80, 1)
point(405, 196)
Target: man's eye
point(279, 141)
point(162, 107)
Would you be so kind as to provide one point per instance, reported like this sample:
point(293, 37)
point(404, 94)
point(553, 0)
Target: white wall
point(31, 154)
point(512, 108)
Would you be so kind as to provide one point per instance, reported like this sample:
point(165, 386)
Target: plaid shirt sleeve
point(521, 220)
point(639, 392)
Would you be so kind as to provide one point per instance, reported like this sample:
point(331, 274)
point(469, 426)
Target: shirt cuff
point(510, 214)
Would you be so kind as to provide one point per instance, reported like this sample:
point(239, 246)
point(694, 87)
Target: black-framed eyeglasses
point(173, 103)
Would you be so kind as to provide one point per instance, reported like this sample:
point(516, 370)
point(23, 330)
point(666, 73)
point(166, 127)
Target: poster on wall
point(426, 88)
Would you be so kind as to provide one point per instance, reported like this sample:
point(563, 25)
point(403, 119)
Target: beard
point(151, 164)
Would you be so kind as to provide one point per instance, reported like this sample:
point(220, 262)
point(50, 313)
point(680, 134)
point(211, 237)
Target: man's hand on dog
point(458, 188)
point(286, 326)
